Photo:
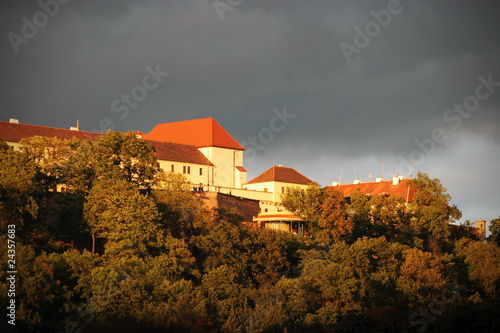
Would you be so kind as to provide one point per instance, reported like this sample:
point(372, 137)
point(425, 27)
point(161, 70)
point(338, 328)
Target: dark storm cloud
point(263, 55)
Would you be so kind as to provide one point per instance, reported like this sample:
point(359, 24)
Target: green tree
point(49, 155)
point(18, 188)
point(79, 171)
point(421, 276)
point(128, 157)
point(257, 256)
point(181, 213)
point(483, 261)
point(431, 210)
point(495, 231)
point(306, 203)
point(126, 219)
point(391, 218)
point(147, 292)
point(359, 210)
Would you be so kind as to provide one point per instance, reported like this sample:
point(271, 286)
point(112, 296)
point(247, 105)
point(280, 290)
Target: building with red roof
point(397, 186)
point(177, 156)
point(282, 221)
point(200, 149)
point(275, 180)
point(206, 132)
point(212, 140)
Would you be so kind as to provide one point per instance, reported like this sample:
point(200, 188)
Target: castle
point(212, 162)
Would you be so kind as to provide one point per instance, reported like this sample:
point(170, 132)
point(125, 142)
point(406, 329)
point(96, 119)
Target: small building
point(275, 180)
point(282, 221)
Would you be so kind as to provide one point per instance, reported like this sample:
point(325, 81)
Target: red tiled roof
point(166, 151)
point(383, 187)
point(281, 174)
point(176, 152)
point(16, 132)
point(241, 169)
point(204, 132)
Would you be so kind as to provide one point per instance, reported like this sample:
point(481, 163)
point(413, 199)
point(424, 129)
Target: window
point(265, 189)
point(186, 169)
point(283, 190)
point(201, 171)
point(183, 169)
point(265, 210)
point(189, 170)
point(173, 168)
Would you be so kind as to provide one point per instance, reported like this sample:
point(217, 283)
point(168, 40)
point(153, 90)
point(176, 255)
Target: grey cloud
point(264, 55)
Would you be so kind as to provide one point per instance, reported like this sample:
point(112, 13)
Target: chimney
point(356, 181)
point(77, 128)
point(379, 179)
point(14, 121)
point(395, 179)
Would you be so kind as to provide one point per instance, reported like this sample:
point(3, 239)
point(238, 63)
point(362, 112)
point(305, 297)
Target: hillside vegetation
point(127, 248)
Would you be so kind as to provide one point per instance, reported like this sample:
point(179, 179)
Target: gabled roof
point(12, 132)
point(176, 152)
point(166, 151)
point(383, 187)
point(281, 174)
point(204, 132)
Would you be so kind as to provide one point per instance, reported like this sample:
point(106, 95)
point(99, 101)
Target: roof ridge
point(49, 127)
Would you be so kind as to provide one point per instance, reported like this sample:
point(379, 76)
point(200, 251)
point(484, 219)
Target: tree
point(421, 275)
point(483, 261)
point(334, 221)
point(359, 210)
point(126, 219)
point(18, 186)
point(495, 231)
point(431, 210)
point(306, 203)
point(127, 157)
point(181, 213)
point(49, 155)
point(80, 168)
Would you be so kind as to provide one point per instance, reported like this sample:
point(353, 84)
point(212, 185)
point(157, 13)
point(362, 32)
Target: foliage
point(495, 231)
point(335, 223)
point(306, 203)
point(18, 187)
point(483, 262)
point(49, 155)
point(127, 157)
point(126, 219)
point(431, 210)
point(163, 263)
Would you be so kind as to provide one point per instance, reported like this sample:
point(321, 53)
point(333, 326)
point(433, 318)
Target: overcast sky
point(355, 83)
